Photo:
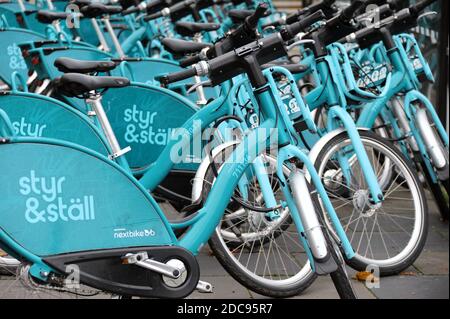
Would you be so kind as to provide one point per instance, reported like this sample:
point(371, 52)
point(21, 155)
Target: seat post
point(113, 36)
point(95, 101)
point(100, 36)
point(200, 90)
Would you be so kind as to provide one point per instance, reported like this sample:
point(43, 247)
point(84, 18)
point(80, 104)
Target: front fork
point(427, 144)
point(303, 210)
point(338, 116)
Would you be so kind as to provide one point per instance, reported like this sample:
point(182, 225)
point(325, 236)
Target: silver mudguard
point(199, 179)
point(317, 148)
point(197, 183)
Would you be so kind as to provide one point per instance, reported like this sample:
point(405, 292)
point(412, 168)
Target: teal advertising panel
point(11, 54)
point(144, 118)
point(73, 200)
point(39, 116)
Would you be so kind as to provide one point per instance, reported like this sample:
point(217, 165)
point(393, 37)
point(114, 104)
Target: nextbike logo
point(23, 128)
point(124, 233)
point(46, 204)
point(140, 128)
point(16, 61)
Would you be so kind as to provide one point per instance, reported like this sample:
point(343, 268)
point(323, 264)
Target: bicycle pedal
point(204, 287)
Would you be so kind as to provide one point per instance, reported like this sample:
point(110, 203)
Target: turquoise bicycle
point(109, 218)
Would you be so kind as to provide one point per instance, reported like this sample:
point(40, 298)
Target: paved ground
point(427, 278)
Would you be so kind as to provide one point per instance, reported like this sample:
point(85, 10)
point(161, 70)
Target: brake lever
point(427, 14)
point(299, 42)
point(270, 27)
point(196, 85)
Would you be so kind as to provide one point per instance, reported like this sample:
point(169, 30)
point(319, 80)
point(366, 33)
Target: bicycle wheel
point(8, 264)
point(389, 235)
point(263, 255)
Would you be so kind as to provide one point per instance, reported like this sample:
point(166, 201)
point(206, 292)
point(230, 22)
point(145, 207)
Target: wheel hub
point(258, 221)
point(362, 204)
point(332, 180)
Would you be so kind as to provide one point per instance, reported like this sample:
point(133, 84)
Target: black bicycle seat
point(189, 29)
point(47, 17)
point(77, 85)
point(178, 46)
point(68, 65)
point(95, 10)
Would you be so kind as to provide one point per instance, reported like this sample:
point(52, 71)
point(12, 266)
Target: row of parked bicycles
point(294, 145)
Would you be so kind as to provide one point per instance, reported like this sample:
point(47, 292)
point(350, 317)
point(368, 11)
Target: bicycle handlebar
point(96, 9)
point(300, 26)
point(324, 6)
point(252, 21)
point(190, 60)
point(225, 47)
point(177, 76)
point(348, 13)
point(125, 4)
point(170, 10)
point(419, 7)
point(183, 8)
point(246, 59)
point(400, 22)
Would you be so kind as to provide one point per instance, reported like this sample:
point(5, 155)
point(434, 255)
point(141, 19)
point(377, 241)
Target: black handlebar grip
point(395, 4)
point(310, 20)
point(290, 31)
point(252, 21)
point(153, 16)
point(81, 3)
point(292, 18)
point(374, 2)
point(190, 61)
point(322, 5)
point(177, 76)
point(155, 5)
point(128, 3)
point(181, 5)
point(347, 13)
point(130, 10)
point(419, 7)
point(237, 2)
point(363, 33)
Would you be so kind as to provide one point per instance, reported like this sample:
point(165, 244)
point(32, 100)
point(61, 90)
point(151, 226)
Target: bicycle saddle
point(95, 10)
point(294, 68)
point(189, 29)
point(47, 17)
point(76, 84)
point(68, 65)
point(179, 46)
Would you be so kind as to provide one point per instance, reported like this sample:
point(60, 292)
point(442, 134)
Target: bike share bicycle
point(369, 253)
point(119, 258)
point(280, 71)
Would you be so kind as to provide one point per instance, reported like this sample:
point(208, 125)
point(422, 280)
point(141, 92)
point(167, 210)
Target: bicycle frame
point(204, 223)
point(402, 81)
point(327, 93)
